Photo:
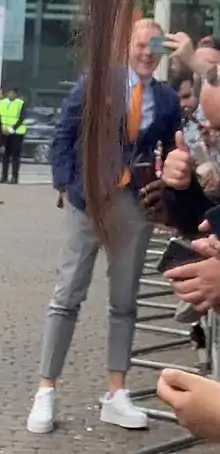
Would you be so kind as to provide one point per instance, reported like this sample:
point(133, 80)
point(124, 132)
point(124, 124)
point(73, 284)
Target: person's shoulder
point(167, 89)
point(168, 96)
point(77, 92)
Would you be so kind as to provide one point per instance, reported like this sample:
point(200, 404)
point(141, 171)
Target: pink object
point(158, 160)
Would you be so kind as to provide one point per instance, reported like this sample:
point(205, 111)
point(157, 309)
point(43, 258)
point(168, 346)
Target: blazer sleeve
point(174, 121)
point(186, 208)
point(67, 133)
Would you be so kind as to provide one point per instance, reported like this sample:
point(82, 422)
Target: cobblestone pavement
point(29, 240)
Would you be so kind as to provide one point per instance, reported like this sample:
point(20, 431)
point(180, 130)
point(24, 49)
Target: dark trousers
point(13, 147)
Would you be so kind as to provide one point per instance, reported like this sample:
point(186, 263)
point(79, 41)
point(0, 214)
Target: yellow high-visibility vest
point(10, 113)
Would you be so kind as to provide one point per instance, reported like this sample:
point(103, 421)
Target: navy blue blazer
point(67, 152)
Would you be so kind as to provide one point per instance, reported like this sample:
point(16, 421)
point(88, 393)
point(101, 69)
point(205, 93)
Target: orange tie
point(134, 121)
point(135, 111)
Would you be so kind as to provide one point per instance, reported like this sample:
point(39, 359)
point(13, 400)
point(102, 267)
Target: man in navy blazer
point(160, 120)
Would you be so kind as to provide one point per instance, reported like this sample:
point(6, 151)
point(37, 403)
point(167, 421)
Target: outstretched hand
point(178, 165)
point(195, 401)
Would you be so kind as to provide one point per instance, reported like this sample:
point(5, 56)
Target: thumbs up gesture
point(177, 169)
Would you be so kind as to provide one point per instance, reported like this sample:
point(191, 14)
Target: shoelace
point(125, 401)
point(44, 402)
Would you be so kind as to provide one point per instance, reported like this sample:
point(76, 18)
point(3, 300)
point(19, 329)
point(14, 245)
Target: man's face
point(141, 60)
point(187, 99)
point(208, 54)
point(210, 102)
point(11, 95)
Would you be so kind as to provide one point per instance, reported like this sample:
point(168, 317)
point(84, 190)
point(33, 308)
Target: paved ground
point(29, 241)
point(35, 173)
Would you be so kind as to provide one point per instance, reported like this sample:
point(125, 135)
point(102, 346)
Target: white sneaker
point(42, 415)
point(119, 410)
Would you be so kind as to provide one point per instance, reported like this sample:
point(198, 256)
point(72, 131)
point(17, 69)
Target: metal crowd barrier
point(180, 337)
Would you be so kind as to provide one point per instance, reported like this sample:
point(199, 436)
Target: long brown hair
point(110, 23)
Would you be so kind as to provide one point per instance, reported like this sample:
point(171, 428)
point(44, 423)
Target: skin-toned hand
point(183, 50)
point(182, 46)
point(195, 401)
point(207, 246)
point(198, 283)
point(178, 165)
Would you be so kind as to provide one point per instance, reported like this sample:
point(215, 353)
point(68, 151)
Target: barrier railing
point(180, 337)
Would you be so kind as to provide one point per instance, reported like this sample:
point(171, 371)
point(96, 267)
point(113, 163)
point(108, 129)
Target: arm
point(185, 208)
point(199, 66)
point(67, 133)
point(21, 118)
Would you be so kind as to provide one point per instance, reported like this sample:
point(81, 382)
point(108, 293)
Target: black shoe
point(14, 181)
point(3, 181)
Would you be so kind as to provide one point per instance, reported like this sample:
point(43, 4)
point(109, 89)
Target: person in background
point(183, 83)
point(2, 148)
point(12, 116)
point(208, 50)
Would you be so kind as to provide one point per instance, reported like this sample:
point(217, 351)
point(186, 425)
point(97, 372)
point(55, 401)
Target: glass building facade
point(50, 52)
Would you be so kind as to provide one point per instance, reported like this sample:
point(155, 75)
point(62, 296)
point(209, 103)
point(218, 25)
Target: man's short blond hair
point(146, 23)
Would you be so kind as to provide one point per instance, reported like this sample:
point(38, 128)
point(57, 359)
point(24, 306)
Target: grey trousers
point(78, 255)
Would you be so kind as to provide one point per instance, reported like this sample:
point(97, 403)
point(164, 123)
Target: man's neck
point(145, 80)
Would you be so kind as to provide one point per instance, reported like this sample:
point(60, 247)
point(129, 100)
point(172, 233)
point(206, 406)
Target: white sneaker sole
point(39, 429)
point(122, 421)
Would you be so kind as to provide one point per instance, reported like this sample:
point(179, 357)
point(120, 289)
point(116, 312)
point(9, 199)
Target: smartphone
point(213, 217)
point(143, 173)
point(157, 47)
point(177, 253)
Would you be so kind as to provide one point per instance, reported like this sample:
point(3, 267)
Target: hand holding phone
point(213, 217)
point(177, 253)
point(157, 46)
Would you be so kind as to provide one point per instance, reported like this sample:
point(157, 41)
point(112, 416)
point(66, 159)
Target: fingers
point(182, 272)
point(187, 286)
point(178, 165)
point(204, 226)
point(180, 141)
point(152, 193)
point(203, 247)
point(209, 247)
point(154, 185)
point(214, 243)
point(203, 307)
point(178, 379)
point(195, 297)
point(166, 393)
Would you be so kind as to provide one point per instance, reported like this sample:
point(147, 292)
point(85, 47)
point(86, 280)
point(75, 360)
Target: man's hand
point(195, 401)
point(182, 47)
point(198, 283)
point(178, 165)
point(151, 195)
point(152, 201)
point(62, 200)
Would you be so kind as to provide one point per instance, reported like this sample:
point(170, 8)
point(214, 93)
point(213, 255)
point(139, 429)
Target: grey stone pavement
point(35, 173)
point(30, 227)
